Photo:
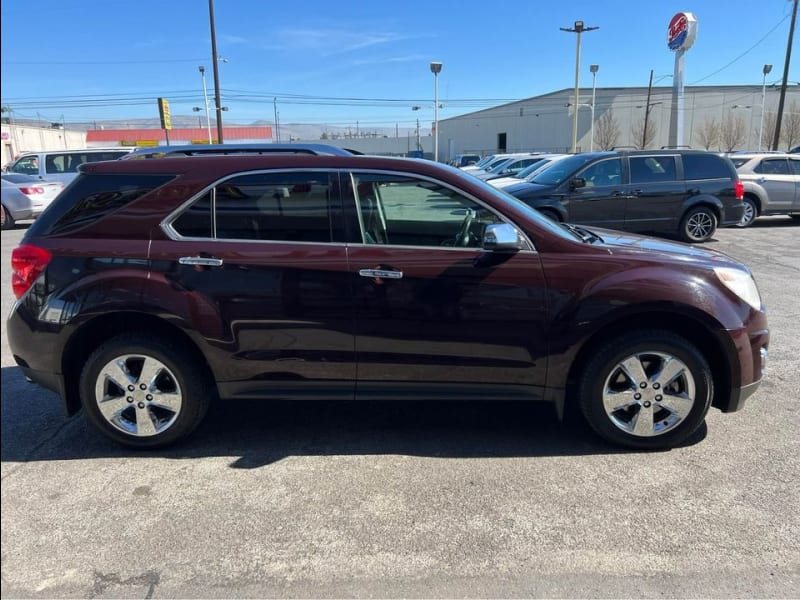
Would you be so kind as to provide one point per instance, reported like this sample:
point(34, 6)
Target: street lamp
point(205, 99)
point(436, 68)
point(766, 70)
point(579, 28)
point(593, 69)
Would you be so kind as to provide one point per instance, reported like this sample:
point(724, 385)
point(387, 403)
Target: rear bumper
point(731, 215)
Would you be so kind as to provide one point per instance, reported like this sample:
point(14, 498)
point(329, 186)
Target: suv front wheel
point(698, 224)
point(143, 392)
point(646, 390)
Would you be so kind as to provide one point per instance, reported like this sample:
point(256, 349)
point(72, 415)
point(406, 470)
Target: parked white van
point(62, 165)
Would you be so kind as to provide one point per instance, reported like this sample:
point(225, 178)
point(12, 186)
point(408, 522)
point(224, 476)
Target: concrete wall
point(17, 139)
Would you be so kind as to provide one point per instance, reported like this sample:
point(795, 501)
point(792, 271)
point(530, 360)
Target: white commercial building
point(722, 118)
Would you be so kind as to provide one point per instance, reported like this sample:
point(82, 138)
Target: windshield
point(530, 212)
point(559, 170)
point(532, 167)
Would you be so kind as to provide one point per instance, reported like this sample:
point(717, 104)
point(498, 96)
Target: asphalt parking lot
point(413, 499)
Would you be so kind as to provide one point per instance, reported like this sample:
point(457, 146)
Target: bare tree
point(641, 138)
point(709, 134)
point(607, 131)
point(768, 134)
point(791, 126)
point(732, 134)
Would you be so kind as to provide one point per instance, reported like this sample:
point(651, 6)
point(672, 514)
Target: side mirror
point(577, 182)
point(502, 237)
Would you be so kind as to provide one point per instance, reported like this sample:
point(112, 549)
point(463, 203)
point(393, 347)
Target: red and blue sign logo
point(681, 32)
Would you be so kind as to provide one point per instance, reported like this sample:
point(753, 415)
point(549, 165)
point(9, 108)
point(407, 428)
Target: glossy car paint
point(279, 320)
point(650, 207)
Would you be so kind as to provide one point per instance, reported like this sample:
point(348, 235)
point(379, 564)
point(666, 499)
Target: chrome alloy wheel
point(649, 393)
point(138, 395)
point(700, 225)
point(749, 214)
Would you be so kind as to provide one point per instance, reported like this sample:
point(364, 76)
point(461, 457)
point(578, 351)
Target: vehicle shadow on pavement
point(262, 433)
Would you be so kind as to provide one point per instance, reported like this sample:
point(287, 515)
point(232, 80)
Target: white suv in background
point(771, 184)
point(62, 165)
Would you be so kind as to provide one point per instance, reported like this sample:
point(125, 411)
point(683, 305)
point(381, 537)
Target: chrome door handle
point(204, 261)
point(381, 273)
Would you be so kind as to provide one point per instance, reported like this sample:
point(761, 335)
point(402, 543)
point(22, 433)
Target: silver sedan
point(25, 197)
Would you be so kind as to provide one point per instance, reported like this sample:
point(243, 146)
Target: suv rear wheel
point(143, 392)
point(646, 390)
point(698, 224)
point(750, 212)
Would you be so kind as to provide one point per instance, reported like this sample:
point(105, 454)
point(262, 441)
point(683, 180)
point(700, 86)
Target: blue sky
point(337, 63)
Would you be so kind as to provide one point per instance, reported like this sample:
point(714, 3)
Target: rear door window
point(291, 207)
point(652, 169)
point(773, 166)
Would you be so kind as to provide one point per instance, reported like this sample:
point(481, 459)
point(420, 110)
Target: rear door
point(436, 316)
point(260, 271)
point(778, 180)
point(794, 167)
point(655, 194)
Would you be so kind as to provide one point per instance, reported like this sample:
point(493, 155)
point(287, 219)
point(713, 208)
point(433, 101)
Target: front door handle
point(203, 261)
point(381, 274)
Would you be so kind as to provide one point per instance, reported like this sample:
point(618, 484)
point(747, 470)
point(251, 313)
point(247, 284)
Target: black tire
point(7, 219)
point(168, 409)
point(673, 408)
point(750, 213)
point(795, 217)
point(698, 224)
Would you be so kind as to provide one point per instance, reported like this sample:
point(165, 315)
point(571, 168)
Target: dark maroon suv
point(151, 288)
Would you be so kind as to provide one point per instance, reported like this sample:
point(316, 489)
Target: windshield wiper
point(583, 234)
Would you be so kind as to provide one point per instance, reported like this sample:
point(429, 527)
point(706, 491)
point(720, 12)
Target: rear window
point(91, 197)
point(705, 166)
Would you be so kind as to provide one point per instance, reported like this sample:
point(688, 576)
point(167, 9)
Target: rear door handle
point(204, 261)
point(381, 274)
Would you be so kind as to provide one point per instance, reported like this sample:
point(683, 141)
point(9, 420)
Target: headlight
point(740, 283)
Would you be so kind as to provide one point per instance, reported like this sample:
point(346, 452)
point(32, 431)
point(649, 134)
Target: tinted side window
point(91, 197)
point(604, 172)
point(292, 206)
point(773, 166)
point(705, 166)
point(795, 166)
point(650, 169)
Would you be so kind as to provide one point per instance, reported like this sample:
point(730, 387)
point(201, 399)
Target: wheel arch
point(693, 328)
point(91, 334)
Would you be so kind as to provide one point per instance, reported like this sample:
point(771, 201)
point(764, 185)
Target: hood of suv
point(621, 242)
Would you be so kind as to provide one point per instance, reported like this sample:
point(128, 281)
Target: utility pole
point(277, 133)
point(215, 59)
point(647, 110)
point(776, 140)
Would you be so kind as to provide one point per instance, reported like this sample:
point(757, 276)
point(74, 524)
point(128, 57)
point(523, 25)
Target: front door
point(601, 200)
point(436, 316)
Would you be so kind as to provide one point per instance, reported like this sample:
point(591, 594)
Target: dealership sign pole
point(681, 34)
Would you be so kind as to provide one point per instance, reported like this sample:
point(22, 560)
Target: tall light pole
point(215, 59)
point(579, 28)
point(766, 70)
point(593, 69)
point(436, 68)
point(205, 99)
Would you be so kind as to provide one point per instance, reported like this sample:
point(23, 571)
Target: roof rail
point(678, 147)
point(222, 149)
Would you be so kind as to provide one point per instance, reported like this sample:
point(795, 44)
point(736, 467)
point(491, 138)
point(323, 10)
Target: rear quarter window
point(706, 166)
point(91, 197)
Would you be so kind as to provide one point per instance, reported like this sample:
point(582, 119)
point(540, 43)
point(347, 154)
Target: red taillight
point(27, 263)
point(739, 189)
point(30, 191)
